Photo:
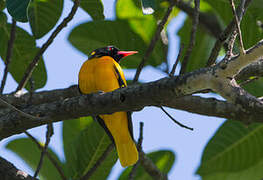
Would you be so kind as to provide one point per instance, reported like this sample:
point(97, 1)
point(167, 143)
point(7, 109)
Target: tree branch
point(98, 162)
point(8, 54)
point(49, 133)
point(49, 156)
point(9, 171)
point(154, 40)
point(253, 69)
point(135, 97)
point(192, 37)
point(151, 168)
point(224, 35)
point(44, 47)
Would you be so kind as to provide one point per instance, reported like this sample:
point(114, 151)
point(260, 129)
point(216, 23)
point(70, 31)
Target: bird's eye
point(109, 48)
point(92, 53)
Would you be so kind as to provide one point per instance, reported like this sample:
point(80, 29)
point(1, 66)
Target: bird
point(102, 73)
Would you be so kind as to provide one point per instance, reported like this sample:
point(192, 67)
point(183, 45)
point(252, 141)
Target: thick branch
point(235, 65)
point(9, 171)
point(136, 97)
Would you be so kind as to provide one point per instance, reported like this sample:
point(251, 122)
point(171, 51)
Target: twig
point(36, 59)
point(224, 35)
point(139, 147)
point(231, 43)
point(98, 162)
point(248, 81)
point(155, 38)
point(53, 161)
point(177, 122)
point(192, 37)
point(242, 3)
point(151, 168)
point(19, 111)
point(177, 60)
point(8, 54)
point(49, 133)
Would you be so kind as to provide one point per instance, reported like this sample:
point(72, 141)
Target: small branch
point(177, 60)
point(139, 147)
point(52, 160)
point(44, 47)
point(151, 168)
point(49, 133)
point(192, 37)
point(154, 40)
point(98, 162)
point(224, 35)
point(177, 122)
point(231, 43)
point(9, 172)
point(248, 81)
point(237, 21)
point(253, 69)
point(8, 54)
point(236, 64)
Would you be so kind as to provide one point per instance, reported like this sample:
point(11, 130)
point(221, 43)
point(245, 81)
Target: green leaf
point(3, 19)
point(89, 36)
point(84, 142)
point(235, 152)
point(24, 50)
point(148, 6)
point(131, 10)
point(203, 45)
point(18, 9)
point(2, 5)
point(43, 16)
point(26, 149)
point(94, 8)
point(251, 33)
point(255, 87)
point(163, 159)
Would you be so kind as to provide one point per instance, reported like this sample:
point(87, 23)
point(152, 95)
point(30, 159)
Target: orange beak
point(126, 53)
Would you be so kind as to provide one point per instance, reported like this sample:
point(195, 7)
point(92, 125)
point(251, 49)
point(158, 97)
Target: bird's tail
point(127, 152)
point(118, 127)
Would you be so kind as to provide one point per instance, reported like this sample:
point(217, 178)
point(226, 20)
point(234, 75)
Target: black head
point(111, 51)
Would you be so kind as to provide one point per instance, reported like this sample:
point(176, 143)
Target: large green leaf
point(94, 8)
point(18, 9)
point(235, 152)
point(89, 36)
point(84, 142)
point(43, 15)
point(203, 45)
point(24, 50)
point(163, 159)
point(26, 149)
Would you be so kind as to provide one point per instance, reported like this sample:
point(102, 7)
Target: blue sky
point(159, 131)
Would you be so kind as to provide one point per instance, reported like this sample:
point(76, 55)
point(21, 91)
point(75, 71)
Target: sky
point(159, 131)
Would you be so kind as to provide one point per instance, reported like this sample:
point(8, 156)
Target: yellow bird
point(102, 72)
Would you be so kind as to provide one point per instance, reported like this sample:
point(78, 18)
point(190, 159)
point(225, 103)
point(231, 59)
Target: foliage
point(235, 150)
